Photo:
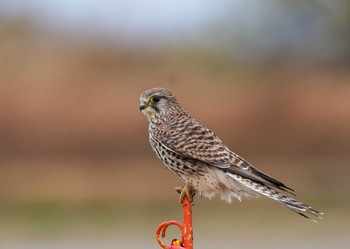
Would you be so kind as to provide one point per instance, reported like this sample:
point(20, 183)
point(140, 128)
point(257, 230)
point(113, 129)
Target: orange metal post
point(186, 241)
point(188, 230)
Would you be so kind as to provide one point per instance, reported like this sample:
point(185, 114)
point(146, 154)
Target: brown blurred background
point(271, 79)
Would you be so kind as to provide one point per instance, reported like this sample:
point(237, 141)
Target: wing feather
point(192, 140)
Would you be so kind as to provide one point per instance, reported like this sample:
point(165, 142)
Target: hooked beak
point(143, 106)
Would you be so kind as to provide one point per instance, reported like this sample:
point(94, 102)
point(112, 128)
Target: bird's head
point(158, 101)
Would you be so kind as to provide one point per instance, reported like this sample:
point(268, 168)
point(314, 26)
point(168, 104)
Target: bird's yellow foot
point(185, 191)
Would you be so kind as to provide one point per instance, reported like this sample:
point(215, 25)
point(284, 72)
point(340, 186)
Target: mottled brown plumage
point(202, 160)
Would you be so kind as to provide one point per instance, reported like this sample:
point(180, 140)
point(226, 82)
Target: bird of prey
point(206, 165)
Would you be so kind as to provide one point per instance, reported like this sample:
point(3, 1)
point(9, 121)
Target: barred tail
point(294, 205)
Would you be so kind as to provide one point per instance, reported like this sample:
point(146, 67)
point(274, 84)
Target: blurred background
point(271, 78)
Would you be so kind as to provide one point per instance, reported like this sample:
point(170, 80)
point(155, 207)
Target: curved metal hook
point(161, 231)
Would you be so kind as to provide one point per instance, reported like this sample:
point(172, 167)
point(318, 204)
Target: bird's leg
point(185, 191)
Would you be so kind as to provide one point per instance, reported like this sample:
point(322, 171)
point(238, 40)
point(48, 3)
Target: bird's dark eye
point(154, 99)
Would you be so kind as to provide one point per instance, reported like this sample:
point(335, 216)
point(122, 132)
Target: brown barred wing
point(190, 139)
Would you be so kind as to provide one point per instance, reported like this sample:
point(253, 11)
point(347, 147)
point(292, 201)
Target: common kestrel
point(196, 155)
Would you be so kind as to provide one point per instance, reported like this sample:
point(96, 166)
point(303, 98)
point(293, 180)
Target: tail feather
point(257, 176)
point(294, 205)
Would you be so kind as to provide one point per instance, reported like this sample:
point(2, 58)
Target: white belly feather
point(217, 182)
